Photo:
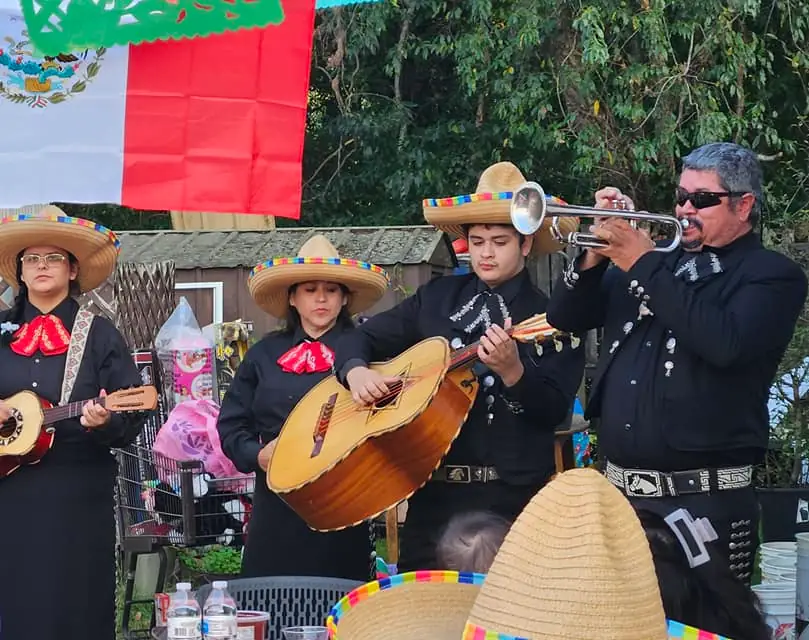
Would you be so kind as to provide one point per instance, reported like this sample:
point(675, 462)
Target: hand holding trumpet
point(626, 243)
point(614, 236)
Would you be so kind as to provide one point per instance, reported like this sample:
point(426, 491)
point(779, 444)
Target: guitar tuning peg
point(574, 342)
point(538, 348)
point(557, 344)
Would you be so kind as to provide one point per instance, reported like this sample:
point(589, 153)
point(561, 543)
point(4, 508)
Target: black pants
point(734, 515)
point(432, 507)
point(280, 543)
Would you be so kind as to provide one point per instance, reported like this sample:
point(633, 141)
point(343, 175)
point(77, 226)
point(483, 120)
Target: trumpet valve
point(619, 204)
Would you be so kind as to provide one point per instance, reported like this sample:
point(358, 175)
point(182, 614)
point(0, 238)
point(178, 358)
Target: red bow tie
point(307, 357)
point(46, 333)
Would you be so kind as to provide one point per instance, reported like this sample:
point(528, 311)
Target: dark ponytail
point(18, 309)
point(710, 596)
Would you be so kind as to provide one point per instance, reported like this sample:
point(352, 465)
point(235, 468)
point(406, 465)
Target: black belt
point(464, 474)
point(646, 483)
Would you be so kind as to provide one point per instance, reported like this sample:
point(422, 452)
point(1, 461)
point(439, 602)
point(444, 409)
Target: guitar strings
point(347, 408)
point(62, 412)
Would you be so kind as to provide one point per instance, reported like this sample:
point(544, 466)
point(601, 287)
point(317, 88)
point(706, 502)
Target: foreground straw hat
point(94, 246)
point(317, 259)
point(575, 566)
point(490, 204)
point(422, 604)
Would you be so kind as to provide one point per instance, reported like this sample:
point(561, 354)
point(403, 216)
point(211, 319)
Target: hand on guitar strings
point(266, 453)
point(93, 415)
point(499, 352)
point(367, 386)
point(5, 411)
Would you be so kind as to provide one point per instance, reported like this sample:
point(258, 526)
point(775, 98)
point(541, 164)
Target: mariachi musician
point(58, 527)
point(504, 452)
point(316, 293)
point(692, 340)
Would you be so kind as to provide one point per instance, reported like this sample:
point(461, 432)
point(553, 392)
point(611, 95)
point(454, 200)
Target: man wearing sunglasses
point(691, 343)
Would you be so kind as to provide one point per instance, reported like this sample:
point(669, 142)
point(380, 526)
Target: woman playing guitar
point(316, 292)
point(57, 514)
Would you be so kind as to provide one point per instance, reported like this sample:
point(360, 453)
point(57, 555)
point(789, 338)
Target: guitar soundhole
point(10, 429)
point(395, 392)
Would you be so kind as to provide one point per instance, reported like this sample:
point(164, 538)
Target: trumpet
point(529, 208)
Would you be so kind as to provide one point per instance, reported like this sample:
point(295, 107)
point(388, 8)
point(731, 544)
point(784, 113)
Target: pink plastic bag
point(190, 434)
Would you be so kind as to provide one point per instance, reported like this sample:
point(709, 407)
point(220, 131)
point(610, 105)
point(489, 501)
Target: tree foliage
point(411, 99)
point(414, 98)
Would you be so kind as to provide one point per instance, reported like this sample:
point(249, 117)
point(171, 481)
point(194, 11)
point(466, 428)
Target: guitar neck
point(533, 330)
point(67, 411)
point(467, 355)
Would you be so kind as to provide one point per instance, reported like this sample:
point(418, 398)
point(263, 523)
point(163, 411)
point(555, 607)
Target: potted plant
point(209, 563)
point(782, 480)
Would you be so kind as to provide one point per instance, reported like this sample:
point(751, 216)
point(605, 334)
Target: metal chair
point(290, 600)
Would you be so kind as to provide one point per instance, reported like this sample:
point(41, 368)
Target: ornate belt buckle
point(642, 483)
point(457, 473)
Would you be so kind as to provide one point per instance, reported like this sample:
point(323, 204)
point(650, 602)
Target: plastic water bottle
point(184, 617)
point(219, 619)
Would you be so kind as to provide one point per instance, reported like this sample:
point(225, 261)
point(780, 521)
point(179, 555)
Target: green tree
point(414, 99)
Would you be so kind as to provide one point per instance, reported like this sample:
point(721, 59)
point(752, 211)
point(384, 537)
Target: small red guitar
point(27, 435)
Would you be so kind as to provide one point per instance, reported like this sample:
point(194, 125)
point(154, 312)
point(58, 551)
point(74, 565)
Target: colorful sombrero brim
point(435, 605)
point(676, 631)
point(95, 247)
point(422, 604)
point(269, 282)
point(451, 214)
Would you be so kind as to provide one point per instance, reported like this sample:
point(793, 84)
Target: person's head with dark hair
point(44, 273)
point(707, 596)
point(471, 541)
point(317, 307)
point(316, 290)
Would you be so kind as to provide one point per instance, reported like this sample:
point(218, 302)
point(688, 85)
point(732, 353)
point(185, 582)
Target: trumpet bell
point(528, 208)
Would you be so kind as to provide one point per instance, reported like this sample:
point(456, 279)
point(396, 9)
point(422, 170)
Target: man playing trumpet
point(692, 340)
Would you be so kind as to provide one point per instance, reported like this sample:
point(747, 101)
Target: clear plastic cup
point(305, 633)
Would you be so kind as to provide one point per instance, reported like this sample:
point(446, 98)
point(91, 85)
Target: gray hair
point(737, 167)
point(471, 541)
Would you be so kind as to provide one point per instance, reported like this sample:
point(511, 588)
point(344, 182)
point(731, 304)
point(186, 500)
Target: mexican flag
point(212, 124)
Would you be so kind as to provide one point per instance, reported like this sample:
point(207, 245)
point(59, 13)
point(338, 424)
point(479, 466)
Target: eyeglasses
point(703, 199)
point(50, 260)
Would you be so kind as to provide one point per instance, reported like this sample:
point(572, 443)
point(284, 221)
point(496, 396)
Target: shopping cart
point(163, 504)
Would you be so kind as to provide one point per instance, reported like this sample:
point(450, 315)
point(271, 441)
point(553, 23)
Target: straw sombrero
point(490, 204)
point(575, 565)
point(317, 259)
point(422, 604)
point(95, 247)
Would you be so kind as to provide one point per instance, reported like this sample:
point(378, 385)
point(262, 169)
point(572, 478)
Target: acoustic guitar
point(337, 463)
point(28, 434)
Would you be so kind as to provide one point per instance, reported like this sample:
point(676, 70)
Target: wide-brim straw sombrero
point(490, 204)
point(422, 604)
point(95, 247)
point(575, 565)
point(317, 260)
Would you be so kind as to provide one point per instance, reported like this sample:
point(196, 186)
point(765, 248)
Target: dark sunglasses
point(703, 199)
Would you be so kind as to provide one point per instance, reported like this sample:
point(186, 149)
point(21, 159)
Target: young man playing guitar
point(504, 452)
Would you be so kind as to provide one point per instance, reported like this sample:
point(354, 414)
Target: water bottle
point(184, 618)
point(219, 620)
